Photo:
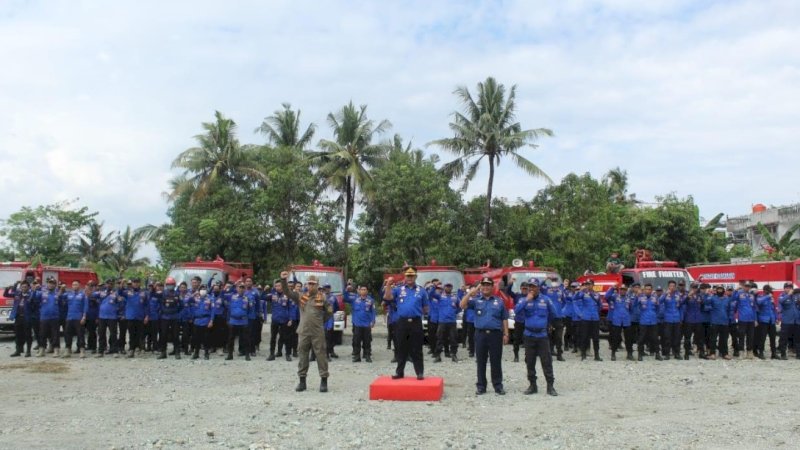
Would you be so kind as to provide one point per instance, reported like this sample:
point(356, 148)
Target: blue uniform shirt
point(363, 310)
point(619, 308)
point(280, 307)
point(239, 308)
point(670, 307)
point(77, 304)
point(745, 307)
point(489, 312)
point(537, 314)
point(589, 303)
point(789, 312)
point(410, 300)
point(136, 303)
point(433, 310)
point(50, 305)
point(448, 307)
point(203, 311)
point(766, 309)
point(648, 309)
point(693, 308)
point(169, 305)
point(109, 305)
point(23, 306)
point(719, 308)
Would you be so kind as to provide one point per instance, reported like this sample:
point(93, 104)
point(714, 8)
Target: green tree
point(94, 245)
point(218, 157)
point(345, 161)
point(488, 130)
point(47, 231)
point(616, 181)
point(282, 129)
point(787, 246)
point(126, 246)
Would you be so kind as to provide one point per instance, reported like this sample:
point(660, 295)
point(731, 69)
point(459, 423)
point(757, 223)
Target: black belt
point(411, 319)
point(487, 330)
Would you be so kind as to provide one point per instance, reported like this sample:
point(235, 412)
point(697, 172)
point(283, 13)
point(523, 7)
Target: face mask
point(203, 292)
point(170, 288)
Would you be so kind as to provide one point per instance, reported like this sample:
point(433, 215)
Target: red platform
point(407, 389)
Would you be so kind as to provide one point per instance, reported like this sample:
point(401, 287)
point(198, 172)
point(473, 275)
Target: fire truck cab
point(326, 275)
point(512, 275)
point(647, 270)
point(218, 269)
point(764, 273)
point(12, 273)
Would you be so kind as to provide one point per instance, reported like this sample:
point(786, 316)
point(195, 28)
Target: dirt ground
point(147, 403)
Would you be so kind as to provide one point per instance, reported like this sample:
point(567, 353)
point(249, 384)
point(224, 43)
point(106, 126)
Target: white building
point(777, 220)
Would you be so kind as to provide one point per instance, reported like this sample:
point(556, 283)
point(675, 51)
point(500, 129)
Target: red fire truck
point(218, 268)
point(646, 270)
point(326, 275)
point(516, 274)
point(772, 273)
point(445, 274)
point(12, 273)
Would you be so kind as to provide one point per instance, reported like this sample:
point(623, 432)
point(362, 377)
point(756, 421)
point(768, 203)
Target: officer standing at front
point(314, 311)
point(446, 339)
point(363, 315)
point(537, 312)
point(411, 302)
point(619, 315)
point(491, 332)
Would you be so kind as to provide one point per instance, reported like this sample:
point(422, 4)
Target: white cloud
point(99, 97)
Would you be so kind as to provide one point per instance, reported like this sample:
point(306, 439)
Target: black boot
point(356, 358)
point(205, 355)
point(532, 389)
point(16, 353)
point(613, 356)
point(229, 357)
point(583, 356)
point(659, 358)
point(288, 356)
point(516, 355)
point(271, 357)
point(783, 356)
point(301, 386)
point(247, 357)
point(640, 357)
point(685, 356)
point(437, 359)
point(630, 356)
point(323, 384)
point(163, 355)
point(177, 355)
point(368, 358)
point(453, 357)
point(551, 390)
point(559, 357)
point(597, 357)
point(196, 354)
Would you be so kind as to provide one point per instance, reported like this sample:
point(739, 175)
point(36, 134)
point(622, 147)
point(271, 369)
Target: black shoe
point(613, 356)
point(659, 358)
point(761, 356)
point(480, 391)
point(735, 354)
point(397, 376)
point(271, 357)
point(16, 353)
point(560, 358)
point(500, 391)
point(532, 389)
point(774, 356)
point(368, 359)
point(685, 356)
point(247, 357)
point(288, 357)
point(551, 390)
point(640, 358)
point(294, 354)
point(438, 359)
point(665, 357)
point(388, 347)
point(196, 354)
point(420, 377)
point(630, 357)
point(597, 358)
point(334, 355)
point(205, 356)
point(301, 386)
point(783, 357)
point(516, 358)
point(454, 358)
point(471, 354)
point(355, 360)
point(323, 385)
point(229, 357)
point(178, 355)
point(279, 354)
point(161, 356)
point(28, 354)
point(583, 357)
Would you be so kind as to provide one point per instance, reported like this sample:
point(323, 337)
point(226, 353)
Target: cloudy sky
point(697, 97)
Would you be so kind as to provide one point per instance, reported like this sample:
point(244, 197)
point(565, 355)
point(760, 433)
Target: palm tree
point(616, 182)
point(487, 129)
point(282, 129)
point(345, 161)
point(787, 245)
point(218, 157)
point(126, 247)
point(95, 245)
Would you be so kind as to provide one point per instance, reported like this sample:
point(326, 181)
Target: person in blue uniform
point(50, 300)
point(279, 330)
point(789, 303)
point(254, 324)
point(108, 314)
point(670, 303)
point(491, 333)
point(447, 335)
point(363, 316)
point(203, 322)
point(634, 293)
point(517, 336)
point(589, 311)
point(294, 314)
point(692, 307)
point(152, 320)
point(719, 307)
point(77, 304)
point(619, 316)
point(92, 317)
point(330, 337)
point(567, 312)
point(745, 309)
point(537, 312)
point(468, 323)
point(219, 332)
point(239, 307)
point(137, 305)
point(647, 304)
point(22, 312)
point(433, 314)
point(411, 302)
point(186, 296)
point(767, 315)
point(169, 310)
point(555, 292)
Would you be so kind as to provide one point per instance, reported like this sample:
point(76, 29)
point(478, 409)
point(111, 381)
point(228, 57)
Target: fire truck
point(218, 269)
point(512, 275)
point(772, 273)
point(445, 274)
point(326, 275)
point(11, 273)
point(646, 270)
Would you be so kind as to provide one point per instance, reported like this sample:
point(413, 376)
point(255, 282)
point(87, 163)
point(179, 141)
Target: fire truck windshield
point(658, 277)
point(453, 277)
point(335, 279)
point(9, 277)
point(539, 275)
point(181, 274)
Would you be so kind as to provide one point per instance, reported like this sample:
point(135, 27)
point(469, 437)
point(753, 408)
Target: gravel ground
point(122, 403)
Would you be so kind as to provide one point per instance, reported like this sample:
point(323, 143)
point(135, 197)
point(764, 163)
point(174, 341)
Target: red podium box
point(407, 389)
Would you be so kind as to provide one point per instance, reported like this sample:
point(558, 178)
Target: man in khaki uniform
point(314, 310)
